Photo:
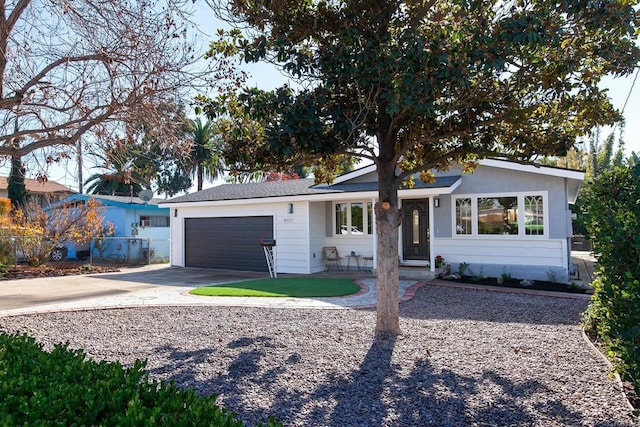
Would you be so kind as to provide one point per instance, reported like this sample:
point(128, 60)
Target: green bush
point(63, 387)
point(612, 203)
point(7, 250)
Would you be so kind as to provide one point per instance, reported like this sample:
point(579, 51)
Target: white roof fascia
point(542, 170)
point(355, 174)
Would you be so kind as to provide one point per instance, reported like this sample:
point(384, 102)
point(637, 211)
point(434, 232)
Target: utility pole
point(79, 161)
point(593, 151)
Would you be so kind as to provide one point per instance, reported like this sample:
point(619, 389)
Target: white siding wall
point(346, 244)
point(290, 231)
point(524, 258)
point(317, 233)
point(503, 251)
point(292, 239)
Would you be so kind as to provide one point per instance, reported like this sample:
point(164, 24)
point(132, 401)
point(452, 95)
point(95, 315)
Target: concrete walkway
point(585, 264)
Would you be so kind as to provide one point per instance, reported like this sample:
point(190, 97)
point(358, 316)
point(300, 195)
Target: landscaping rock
point(466, 357)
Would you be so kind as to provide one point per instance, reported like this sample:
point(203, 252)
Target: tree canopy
point(414, 86)
point(120, 175)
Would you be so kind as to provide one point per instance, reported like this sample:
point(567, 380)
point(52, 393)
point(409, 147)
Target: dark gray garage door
point(230, 243)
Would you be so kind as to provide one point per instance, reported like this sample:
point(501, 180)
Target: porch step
point(415, 272)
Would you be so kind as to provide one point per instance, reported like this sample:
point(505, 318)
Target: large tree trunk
point(388, 218)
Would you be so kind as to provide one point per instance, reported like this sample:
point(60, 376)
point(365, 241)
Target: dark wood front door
point(415, 229)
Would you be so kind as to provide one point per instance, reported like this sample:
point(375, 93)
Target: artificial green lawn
point(282, 287)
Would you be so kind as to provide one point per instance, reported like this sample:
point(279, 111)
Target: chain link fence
point(16, 250)
point(129, 250)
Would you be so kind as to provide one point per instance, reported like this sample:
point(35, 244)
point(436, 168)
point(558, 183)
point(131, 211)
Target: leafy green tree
point(416, 86)
point(163, 167)
point(204, 159)
point(613, 220)
point(576, 159)
point(607, 154)
point(144, 159)
point(16, 189)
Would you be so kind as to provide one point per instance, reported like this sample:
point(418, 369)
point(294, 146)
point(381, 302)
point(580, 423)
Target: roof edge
point(531, 168)
point(355, 174)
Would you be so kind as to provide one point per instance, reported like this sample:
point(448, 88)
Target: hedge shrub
point(63, 387)
point(613, 219)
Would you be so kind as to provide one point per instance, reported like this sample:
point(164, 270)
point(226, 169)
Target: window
point(154, 221)
point(463, 216)
point(415, 232)
point(533, 216)
point(357, 218)
point(494, 215)
point(498, 215)
point(352, 218)
point(341, 218)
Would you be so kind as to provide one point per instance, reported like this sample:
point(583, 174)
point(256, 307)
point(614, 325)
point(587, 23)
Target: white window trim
point(521, 217)
point(146, 223)
point(365, 219)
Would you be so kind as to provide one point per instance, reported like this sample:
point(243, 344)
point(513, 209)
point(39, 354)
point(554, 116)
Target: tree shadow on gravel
point(377, 393)
point(243, 373)
point(435, 302)
point(180, 367)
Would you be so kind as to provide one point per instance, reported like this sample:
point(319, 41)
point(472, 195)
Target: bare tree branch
point(75, 68)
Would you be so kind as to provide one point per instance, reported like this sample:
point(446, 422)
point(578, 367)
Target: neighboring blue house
point(133, 219)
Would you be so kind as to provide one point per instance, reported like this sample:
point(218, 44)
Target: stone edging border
point(506, 290)
point(610, 365)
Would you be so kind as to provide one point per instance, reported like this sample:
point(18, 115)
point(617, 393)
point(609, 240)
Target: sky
point(620, 90)
point(627, 90)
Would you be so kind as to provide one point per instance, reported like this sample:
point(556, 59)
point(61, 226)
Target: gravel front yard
point(466, 358)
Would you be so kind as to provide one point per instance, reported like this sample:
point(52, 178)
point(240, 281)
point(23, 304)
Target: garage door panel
point(230, 243)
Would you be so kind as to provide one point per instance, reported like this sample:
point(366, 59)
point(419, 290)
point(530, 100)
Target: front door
point(415, 229)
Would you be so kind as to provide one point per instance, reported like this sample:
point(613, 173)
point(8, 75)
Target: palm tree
point(120, 176)
point(206, 162)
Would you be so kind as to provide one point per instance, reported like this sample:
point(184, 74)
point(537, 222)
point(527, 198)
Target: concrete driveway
point(131, 286)
point(163, 285)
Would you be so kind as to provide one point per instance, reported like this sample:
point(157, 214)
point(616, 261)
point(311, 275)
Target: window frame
point(520, 197)
point(153, 222)
point(365, 219)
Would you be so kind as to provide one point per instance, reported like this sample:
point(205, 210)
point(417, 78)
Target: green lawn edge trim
point(300, 287)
